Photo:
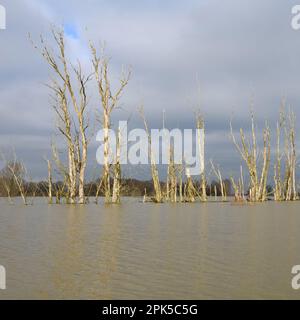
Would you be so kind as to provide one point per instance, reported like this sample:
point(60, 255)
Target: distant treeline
point(129, 187)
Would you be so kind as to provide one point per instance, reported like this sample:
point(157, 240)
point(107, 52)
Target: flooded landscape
point(150, 251)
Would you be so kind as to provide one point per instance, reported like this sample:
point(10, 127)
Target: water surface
point(149, 251)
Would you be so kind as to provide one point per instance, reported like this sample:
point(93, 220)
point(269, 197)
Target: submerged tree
point(50, 193)
point(171, 194)
point(189, 189)
point(249, 152)
point(238, 188)
point(201, 146)
point(7, 182)
point(13, 178)
point(116, 197)
point(218, 174)
point(109, 101)
point(158, 196)
point(69, 86)
point(285, 188)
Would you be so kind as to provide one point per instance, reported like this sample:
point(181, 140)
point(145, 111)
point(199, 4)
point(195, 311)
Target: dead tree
point(238, 187)
point(241, 184)
point(201, 146)
point(69, 87)
point(158, 197)
point(109, 101)
point(116, 198)
point(18, 171)
point(292, 157)
point(172, 178)
point(50, 196)
point(8, 182)
point(238, 196)
point(167, 195)
point(190, 191)
point(65, 127)
point(285, 188)
point(249, 153)
point(278, 184)
point(7, 188)
point(218, 174)
point(180, 182)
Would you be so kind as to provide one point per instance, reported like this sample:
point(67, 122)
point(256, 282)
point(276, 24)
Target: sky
point(212, 55)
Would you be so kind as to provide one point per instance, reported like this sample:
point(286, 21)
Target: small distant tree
point(13, 178)
point(7, 183)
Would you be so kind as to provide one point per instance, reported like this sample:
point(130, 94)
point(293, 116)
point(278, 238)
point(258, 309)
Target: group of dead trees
point(13, 180)
point(258, 162)
point(179, 186)
point(70, 96)
point(69, 87)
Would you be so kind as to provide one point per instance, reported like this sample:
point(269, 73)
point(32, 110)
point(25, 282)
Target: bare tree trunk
point(218, 174)
point(158, 198)
point(82, 168)
point(262, 190)
point(190, 191)
point(201, 146)
point(242, 191)
point(117, 172)
point(98, 190)
point(216, 193)
point(167, 196)
point(109, 102)
point(145, 196)
point(180, 183)
point(278, 196)
point(237, 191)
point(294, 195)
point(50, 199)
point(172, 178)
point(106, 166)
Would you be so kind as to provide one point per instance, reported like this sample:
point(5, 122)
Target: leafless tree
point(158, 197)
point(109, 101)
point(285, 188)
point(50, 193)
point(70, 88)
point(218, 174)
point(201, 146)
point(18, 172)
point(249, 153)
point(116, 198)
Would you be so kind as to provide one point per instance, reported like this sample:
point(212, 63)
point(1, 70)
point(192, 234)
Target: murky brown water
point(139, 251)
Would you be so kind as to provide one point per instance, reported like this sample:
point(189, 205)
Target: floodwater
point(150, 251)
